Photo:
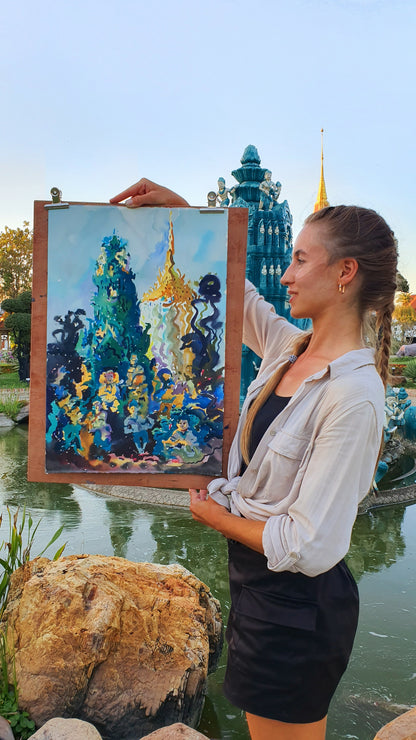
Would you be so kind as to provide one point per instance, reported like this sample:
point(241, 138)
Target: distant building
point(4, 333)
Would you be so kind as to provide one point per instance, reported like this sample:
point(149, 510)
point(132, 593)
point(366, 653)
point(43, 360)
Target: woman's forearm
point(208, 512)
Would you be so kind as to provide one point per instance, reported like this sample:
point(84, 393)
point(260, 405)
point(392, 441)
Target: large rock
point(177, 731)
point(6, 422)
point(401, 728)
point(66, 729)
point(125, 646)
point(22, 416)
point(75, 729)
point(5, 730)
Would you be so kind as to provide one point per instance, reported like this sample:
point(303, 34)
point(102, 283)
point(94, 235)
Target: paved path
point(22, 393)
point(391, 497)
point(139, 494)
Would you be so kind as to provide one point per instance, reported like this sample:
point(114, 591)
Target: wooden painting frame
point(236, 256)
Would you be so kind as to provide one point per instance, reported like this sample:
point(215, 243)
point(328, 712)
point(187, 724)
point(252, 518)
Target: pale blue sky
point(96, 94)
point(76, 234)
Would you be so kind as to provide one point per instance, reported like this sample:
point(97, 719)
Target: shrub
point(21, 724)
point(409, 370)
point(397, 368)
point(395, 345)
point(7, 357)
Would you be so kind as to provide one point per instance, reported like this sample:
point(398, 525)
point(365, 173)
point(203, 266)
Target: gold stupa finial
point(171, 284)
point(322, 199)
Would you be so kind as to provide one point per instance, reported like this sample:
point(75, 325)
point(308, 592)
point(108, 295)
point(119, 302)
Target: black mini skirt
point(289, 637)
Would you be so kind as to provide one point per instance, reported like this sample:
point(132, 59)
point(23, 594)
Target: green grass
point(394, 360)
point(11, 380)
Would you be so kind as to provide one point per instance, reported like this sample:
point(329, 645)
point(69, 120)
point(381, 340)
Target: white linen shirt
point(316, 461)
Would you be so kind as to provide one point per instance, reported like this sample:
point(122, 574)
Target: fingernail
point(129, 202)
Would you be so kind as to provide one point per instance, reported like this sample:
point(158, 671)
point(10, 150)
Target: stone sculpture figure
point(223, 195)
point(269, 192)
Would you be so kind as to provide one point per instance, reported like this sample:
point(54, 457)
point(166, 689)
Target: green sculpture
point(269, 243)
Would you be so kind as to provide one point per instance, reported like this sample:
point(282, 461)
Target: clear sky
point(96, 94)
point(76, 234)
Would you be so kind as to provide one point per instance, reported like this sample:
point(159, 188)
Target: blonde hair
point(362, 234)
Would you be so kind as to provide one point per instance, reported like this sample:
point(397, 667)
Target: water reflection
point(381, 675)
point(202, 551)
point(18, 491)
point(401, 474)
point(377, 541)
point(121, 518)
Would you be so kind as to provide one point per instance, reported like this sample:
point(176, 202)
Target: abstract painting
point(135, 352)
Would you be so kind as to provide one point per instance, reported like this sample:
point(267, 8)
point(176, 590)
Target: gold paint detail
point(171, 285)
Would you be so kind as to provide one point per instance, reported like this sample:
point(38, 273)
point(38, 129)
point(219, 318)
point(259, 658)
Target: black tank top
point(264, 417)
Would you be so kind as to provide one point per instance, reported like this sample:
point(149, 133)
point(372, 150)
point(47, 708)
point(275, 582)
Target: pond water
point(380, 682)
point(400, 474)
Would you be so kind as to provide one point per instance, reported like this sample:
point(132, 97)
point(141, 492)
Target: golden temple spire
point(322, 199)
point(170, 285)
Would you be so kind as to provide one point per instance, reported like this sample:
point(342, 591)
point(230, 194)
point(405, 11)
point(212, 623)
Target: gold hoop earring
point(341, 288)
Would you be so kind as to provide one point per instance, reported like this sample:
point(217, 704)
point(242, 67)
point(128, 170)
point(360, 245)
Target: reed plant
point(10, 405)
point(15, 553)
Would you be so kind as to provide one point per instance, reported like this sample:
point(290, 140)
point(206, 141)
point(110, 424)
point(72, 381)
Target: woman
point(303, 457)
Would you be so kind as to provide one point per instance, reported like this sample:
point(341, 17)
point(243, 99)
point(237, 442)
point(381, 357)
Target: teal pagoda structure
point(269, 243)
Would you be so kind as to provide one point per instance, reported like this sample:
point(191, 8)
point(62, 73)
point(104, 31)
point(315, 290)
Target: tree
point(18, 323)
point(402, 284)
point(15, 261)
point(404, 315)
point(116, 330)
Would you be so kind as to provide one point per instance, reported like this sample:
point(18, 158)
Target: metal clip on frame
point(56, 200)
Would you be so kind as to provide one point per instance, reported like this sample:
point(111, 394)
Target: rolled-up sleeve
point(263, 330)
point(315, 533)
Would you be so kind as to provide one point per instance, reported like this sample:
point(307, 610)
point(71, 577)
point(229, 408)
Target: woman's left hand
point(148, 193)
point(205, 510)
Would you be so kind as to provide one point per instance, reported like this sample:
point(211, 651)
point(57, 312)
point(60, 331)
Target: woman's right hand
point(148, 193)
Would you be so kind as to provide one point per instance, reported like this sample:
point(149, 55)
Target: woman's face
point(311, 282)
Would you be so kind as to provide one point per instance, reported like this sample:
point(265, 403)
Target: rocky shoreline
point(389, 497)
